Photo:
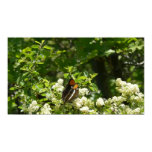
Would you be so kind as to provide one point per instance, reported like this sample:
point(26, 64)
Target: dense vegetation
point(109, 71)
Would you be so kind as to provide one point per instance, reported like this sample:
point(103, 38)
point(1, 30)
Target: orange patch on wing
point(72, 82)
point(75, 86)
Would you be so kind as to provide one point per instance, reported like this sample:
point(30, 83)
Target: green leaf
point(43, 99)
point(18, 55)
point(46, 84)
point(26, 79)
point(18, 80)
point(40, 62)
point(28, 49)
point(47, 47)
point(82, 78)
point(35, 73)
point(91, 88)
point(12, 88)
point(35, 46)
point(94, 86)
point(66, 75)
point(58, 52)
point(22, 83)
point(93, 75)
point(42, 42)
point(43, 94)
point(34, 87)
point(37, 42)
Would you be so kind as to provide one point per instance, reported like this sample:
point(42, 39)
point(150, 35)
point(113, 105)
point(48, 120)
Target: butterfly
point(71, 91)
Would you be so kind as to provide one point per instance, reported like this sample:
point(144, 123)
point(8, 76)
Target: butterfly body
point(71, 91)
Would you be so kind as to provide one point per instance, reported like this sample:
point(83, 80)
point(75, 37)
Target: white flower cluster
point(33, 107)
point(138, 97)
point(130, 101)
point(100, 102)
point(83, 104)
point(130, 94)
point(79, 102)
point(45, 110)
point(84, 109)
point(58, 86)
point(126, 88)
point(114, 108)
point(130, 111)
point(117, 100)
point(83, 91)
point(129, 90)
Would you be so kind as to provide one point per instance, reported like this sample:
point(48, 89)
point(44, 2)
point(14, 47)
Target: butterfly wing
point(67, 88)
point(65, 92)
point(71, 95)
point(74, 94)
point(71, 91)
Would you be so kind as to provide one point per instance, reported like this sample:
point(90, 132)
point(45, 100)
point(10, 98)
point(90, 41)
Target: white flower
point(136, 111)
point(58, 87)
point(123, 83)
point(117, 99)
point(135, 88)
point(92, 112)
point(132, 88)
point(126, 88)
point(122, 106)
point(140, 95)
point(33, 107)
point(45, 109)
point(55, 86)
point(79, 100)
point(99, 102)
point(60, 81)
point(112, 108)
point(118, 82)
point(34, 102)
point(114, 99)
point(84, 100)
point(78, 103)
point(121, 99)
point(84, 109)
point(54, 99)
point(129, 111)
point(83, 91)
point(108, 101)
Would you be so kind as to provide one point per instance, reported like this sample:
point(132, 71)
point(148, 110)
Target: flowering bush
point(33, 72)
point(130, 101)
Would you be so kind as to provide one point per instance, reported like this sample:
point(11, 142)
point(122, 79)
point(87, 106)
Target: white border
point(66, 18)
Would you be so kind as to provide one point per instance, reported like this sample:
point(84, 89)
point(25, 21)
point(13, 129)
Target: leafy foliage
point(35, 64)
